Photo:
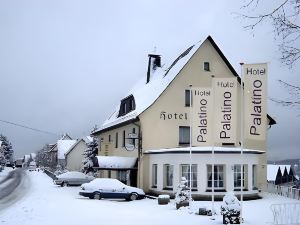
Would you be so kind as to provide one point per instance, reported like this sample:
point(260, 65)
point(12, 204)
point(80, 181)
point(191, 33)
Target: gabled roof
point(145, 94)
point(84, 140)
point(272, 171)
point(63, 146)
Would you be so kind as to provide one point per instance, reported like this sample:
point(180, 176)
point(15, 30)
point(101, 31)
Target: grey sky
point(64, 65)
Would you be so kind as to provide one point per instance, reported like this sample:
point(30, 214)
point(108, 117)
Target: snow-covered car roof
point(72, 174)
point(110, 183)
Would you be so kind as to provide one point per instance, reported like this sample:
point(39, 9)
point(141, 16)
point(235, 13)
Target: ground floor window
point(185, 172)
point(218, 176)
point(237, 173)
point(168, 176)
point(122, 176)
point(254, 177)
point(154, 175)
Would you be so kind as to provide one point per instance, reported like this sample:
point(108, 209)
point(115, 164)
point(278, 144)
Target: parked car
point(32, 166)
point(72, 178)
point(110, 188)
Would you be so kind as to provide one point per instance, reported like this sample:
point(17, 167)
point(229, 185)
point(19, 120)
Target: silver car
point(110, 188)
point(72, 178)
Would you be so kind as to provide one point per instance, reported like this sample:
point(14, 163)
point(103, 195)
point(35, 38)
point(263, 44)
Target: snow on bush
point(230, 205)
point(183, 191)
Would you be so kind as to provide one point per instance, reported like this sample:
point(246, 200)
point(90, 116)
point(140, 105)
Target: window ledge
point(216, 190)
point(238, 189)
point(168, 189)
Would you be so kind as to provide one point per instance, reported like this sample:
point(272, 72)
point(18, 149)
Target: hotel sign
point(255, 101)
point(225, 109)
point(202, 113)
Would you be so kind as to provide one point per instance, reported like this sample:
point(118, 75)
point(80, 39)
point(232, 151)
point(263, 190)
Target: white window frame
point(237, 176)
point(168, 175)
point(218, 178)
point(186, 129)
point(185, 172)
point(154, 175)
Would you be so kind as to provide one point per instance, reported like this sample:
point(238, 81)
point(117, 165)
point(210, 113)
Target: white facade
point(202, 161)
point(75, 156)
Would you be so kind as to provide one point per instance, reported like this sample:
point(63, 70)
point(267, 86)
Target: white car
point(72, 178)
point(110, 188)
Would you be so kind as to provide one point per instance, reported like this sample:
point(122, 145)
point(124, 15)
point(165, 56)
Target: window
point(184, 135)
point(122, 176)
point(218, 176)
point(188, 98)
point(116, 143)
point(237, 173)
point(254, 177)
point(168, 176)
point(185, 172)
point(124, 138)
point(154, 175)
point(127, 105)
point(109, 138)
point(206, 66)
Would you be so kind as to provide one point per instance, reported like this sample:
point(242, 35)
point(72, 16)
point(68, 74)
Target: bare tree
point(285, 22)
point(294, 96)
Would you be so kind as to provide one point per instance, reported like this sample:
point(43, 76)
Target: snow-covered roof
point(87, 139)
point(272, 172)
point(0, 143)
point(116, 162)
point(203, 149)
point(63, 146)
point(146, 94)
point(273, 169)
point(282, 168)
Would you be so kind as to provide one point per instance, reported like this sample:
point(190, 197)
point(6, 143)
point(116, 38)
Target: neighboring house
point(280, 174)
point(74, 156)
point(19, 162)
point(57, 152)
point(152, 126)
point(26, 160)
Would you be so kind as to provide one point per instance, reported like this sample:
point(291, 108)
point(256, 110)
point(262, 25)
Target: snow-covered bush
point(183, 191)
point(230, 208)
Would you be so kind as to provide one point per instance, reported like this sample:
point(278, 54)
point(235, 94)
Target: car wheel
point(133, 197)
point(97, 196)
point(64, 184)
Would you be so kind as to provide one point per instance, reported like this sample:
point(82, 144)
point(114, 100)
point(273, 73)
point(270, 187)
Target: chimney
point(154, 61)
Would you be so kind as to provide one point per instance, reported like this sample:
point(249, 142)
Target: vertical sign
point(202, 111)
point(225, 110)
point(255, 101)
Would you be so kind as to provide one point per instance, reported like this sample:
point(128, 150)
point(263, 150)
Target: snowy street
point(48, 204)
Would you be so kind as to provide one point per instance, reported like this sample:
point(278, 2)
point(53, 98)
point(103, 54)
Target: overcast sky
point(64, 65)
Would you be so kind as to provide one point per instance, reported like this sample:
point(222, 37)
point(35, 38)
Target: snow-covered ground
point(48, 204)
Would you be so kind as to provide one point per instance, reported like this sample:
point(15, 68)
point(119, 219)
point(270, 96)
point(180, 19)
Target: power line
point(30, 128)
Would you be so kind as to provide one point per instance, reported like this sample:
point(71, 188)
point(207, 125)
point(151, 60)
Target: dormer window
point(127, 105)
